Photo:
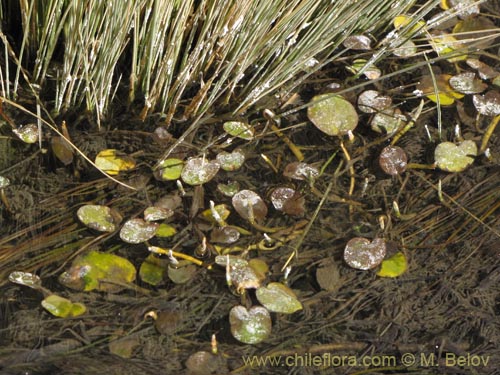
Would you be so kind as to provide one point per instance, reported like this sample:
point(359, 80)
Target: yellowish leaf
point(113, 161)
point(394, 266)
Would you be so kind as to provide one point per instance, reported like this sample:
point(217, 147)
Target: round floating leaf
point(402, 21)
point(231, 161)
point(62, 307)
point(358, 42)
point(113, 161)
point(446, 44)
point(371, 101)
point(239, 129)
point(198, 171)
point(26, 279)
point(387, 121)
point(168, 321)
point(124, 346)
point(170, 169)
point(218, 214)
point(249, 205)
point(165, 230)
point(362, 254)
point(467, 83)
point(203, 363)
point(332, 115)
point(485, 71)
point(300, 171)
point(444, 91)
point(288, 200)
point(394, 266)
point(250, 326)
point(277, 297)
point(91, 271)
point(229, 189)
point(233, 260)
point(62, 150)
point(181, 273)
point(407, 49)
point(169, 202)
point(153, 269)
point(101, 218)
point(27, 133)
point(393, 160)
point(328, 277)
point(137, 231)
point(369, 71)
point(157, 213)
point(225, 235)
point(452, 158)
point(488, 104)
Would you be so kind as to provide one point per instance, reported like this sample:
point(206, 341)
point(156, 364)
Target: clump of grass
point(179, 57)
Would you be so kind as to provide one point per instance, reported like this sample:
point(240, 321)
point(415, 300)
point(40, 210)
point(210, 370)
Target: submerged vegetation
point(198, 182)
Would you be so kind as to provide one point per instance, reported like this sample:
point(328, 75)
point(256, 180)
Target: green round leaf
point(239, 129)
point(170, 169)
point(250, 326)
point(332, 115)
point(91, 271)
point(231, 161)
point(394, 266)
point(198, 171)
point(27, 133)
point(165, 230)
point(455, 158)
point(137, 230)
point(101, 218)
point(277, 297)
point(62, 307)
point(153, 269)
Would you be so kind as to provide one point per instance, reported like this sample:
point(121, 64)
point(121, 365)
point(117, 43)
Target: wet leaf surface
point(157, 213)
point(328, 277)
point(445, 92)
point(137, 230)
point(288, 201)
point(277, 297)
point(358, 42)
point(181, 273)
point(455, 158)
point(393, 160)
point(250, 326)
point(113, 161)
point(371, 101)
point(101, 218)
point(231, 161)
point(488, 104)
point(96, 270)
point(62, 150)
point(198, 171)
point(239, 129)
point(170, 169)
point(26, 279)
point(394, 266)
point(203, 363)
point(62, 307)
point(332, 114)
point(301, 171)
point(153, 270)
point(249, 205)
point(388, 121)
point(226, 235)
point(27, 133)
point(363, 254)
point(467, 83)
